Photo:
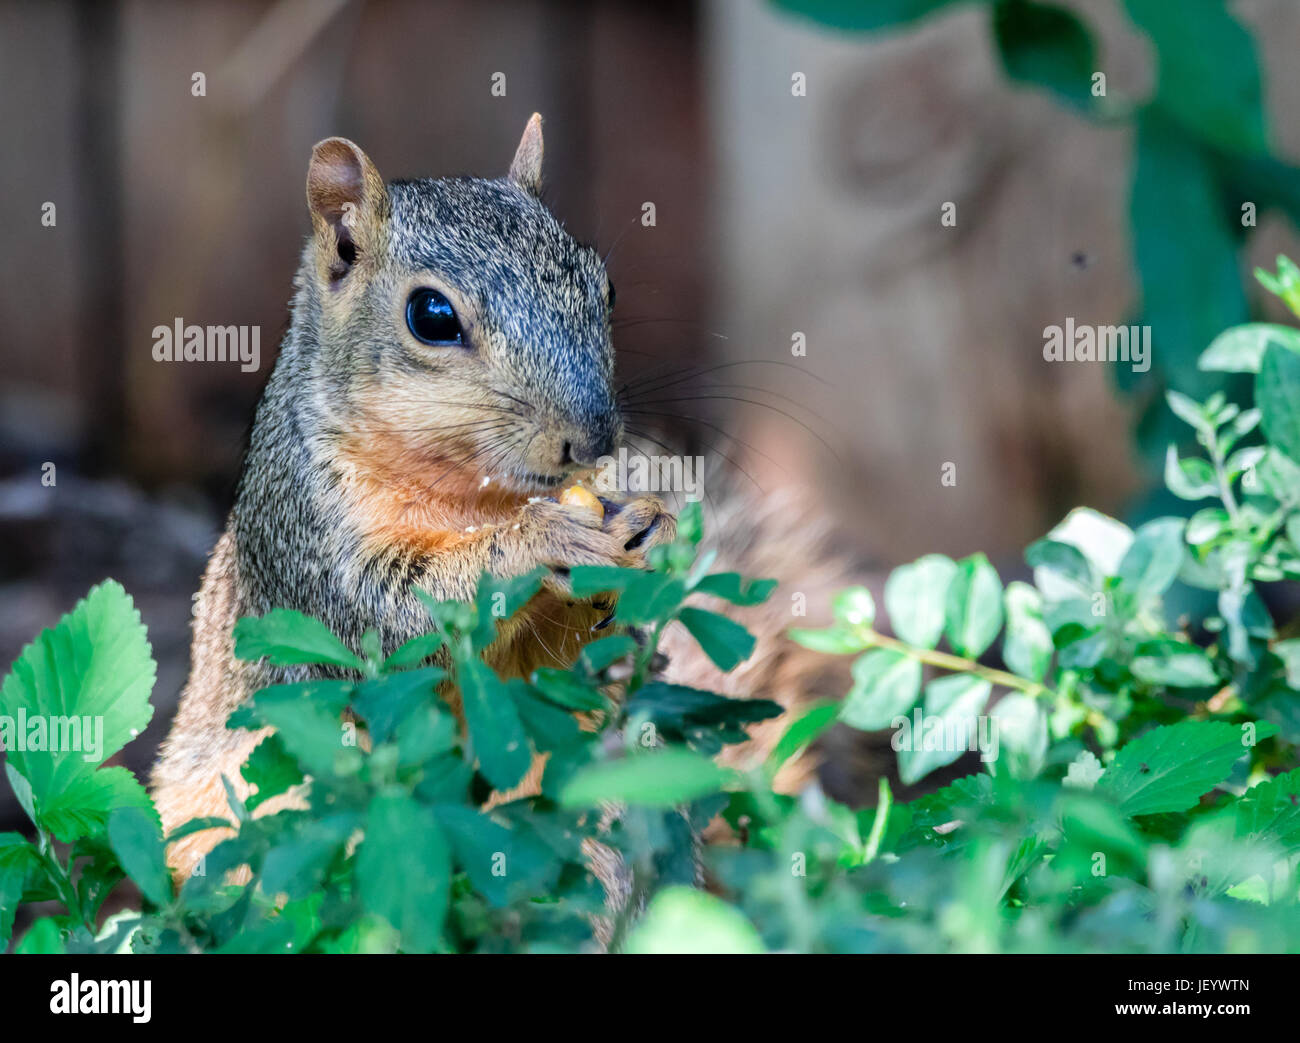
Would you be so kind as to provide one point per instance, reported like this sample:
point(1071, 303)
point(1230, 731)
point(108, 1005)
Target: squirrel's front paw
point(639, 525)
point(561, 536)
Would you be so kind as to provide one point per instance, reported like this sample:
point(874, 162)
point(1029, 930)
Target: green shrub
point(1139, 790)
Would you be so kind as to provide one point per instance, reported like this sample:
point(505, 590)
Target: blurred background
point(798, 304)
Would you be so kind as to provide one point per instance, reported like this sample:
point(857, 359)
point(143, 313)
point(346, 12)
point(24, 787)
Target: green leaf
point(297, 865)
point(1241, 349)
point(1277, 394)
point(1207, 525)
point(82, 809)
point(660, 779)
point(1225, 109)
point(949, 729)
point(802, 732)
point(1246, 616)
point(1053, 559)
point(138, 844)
point(686, 920)
point(1243, 460)
point(732, 587)
point(307, 716)
point(497, 599)
point(587, 580)
point(1027, 644)
point(1189, 411)
point(1270, 812)
point(426, 733)
point(404, 870)
point(502, 864)
point(86, 681)
point(289, 638)
point(42, 938)
point(886, 683)
point(596, 656)
point(413, 652)
point(18, 862)
point(1173, 663)
point(1170, 768)
point(549, 726)
point(270, 771)
point(724, 641)
point(916, 598)
point(1289, 653)
point(833, 640)
point(1279, 476)
point(22, 789)
point(564, 689)
point(706, 720)
point(385, 702)
point(1047, 46)
point(690, 523)
point(1091, 827)
point(1191, 479)
point(1101, 539)
point(197, 825)
point(1022, 735)
point(974, 611)
point(1152, 562)
point(854, 607)
point(494, 726)
point(1286, 283)
point(650, 597)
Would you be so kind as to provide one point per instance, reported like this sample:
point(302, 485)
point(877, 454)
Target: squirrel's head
point(464, 335)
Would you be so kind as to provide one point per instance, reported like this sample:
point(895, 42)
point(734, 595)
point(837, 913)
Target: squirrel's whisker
point(732, 387)
point(676, 495)
point(712, 447)
point(750, 402)
point(463, 461)
point(701, 371)
point(619, 238)
point(646, 320)
point(506, 394)
point(712, 427)
point(490, 424)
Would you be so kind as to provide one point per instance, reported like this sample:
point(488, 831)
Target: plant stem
point(645, 658)
point(62, 881)
point(1221, 476)
point(933, 657)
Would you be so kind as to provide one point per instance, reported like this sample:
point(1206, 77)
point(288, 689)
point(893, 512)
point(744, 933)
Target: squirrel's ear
point(348, 201)
point(526, 167)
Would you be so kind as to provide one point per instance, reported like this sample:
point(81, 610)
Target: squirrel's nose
point(586, 452)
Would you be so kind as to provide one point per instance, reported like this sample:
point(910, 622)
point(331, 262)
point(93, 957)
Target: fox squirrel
point(448, 364)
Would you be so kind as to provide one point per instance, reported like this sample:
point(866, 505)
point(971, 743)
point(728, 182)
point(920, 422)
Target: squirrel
point(449, 362)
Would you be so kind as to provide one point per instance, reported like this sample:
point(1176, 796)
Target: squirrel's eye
point(610, 295)
point(432, 319)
